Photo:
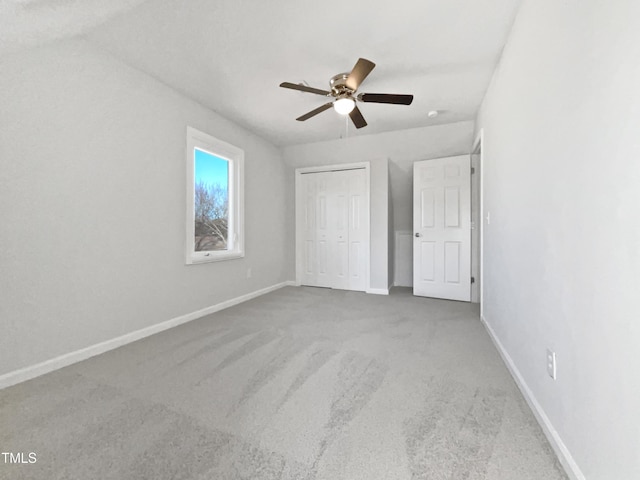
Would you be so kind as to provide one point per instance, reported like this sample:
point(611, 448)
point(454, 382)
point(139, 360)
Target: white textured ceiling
point(231, 55)
point(28, 23)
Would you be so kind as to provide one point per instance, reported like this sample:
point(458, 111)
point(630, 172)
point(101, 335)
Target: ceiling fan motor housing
point(339, 85)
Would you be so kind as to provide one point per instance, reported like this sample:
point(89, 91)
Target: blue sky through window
point(210, 169)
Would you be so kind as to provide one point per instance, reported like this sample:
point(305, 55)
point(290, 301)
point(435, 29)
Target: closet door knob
point(418, 234)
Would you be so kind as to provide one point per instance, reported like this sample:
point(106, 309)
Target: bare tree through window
point(211, 202)
point(211, 217)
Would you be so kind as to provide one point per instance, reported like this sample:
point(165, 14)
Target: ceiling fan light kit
point(343, 91)
point(344, 105)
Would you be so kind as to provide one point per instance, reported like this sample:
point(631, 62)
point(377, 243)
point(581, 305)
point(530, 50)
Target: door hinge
point(473, 280)
point(473, 170)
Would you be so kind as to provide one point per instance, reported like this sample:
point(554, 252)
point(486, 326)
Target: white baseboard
point(27, 373)
point(561, 450)
point(378, 291)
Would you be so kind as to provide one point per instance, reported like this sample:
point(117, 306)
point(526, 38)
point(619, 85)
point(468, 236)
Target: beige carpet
point(301, 383)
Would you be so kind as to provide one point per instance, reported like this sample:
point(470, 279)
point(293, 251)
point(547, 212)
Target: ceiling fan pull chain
point(346, 127)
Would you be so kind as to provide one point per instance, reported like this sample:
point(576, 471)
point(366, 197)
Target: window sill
point(214, 257)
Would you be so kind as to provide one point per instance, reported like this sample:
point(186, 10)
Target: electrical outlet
point(249, 272)
point(551, 363)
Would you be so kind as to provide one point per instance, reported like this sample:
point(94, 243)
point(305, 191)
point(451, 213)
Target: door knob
point(418, 234)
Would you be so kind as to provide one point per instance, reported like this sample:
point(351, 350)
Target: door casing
point(478, 148)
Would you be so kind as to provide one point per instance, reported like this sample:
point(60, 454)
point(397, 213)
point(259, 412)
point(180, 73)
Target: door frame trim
point(299, 211)
point(478, 148)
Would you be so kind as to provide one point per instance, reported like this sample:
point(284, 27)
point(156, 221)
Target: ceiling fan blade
point(360, 71)
point(357, 118)
point(304, 88)
point(315, 112)
point(386, 98)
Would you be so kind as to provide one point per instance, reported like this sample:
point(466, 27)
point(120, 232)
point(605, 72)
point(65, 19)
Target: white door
point(339, 224)
point(334, 230)
point(322, 233)
point(358, 223)
point(442, 228)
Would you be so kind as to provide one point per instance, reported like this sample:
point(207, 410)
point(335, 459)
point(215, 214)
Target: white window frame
point(235, 157)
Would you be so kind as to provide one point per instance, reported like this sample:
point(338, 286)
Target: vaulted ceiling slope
point(231, 55)
point(29, 23)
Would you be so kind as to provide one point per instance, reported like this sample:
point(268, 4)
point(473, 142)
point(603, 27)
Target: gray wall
point(395, 152)
point(562, 253)
point(92, 205)
point(391, 241)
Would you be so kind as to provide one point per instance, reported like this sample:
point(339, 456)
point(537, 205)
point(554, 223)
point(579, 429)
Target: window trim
point(235, 157)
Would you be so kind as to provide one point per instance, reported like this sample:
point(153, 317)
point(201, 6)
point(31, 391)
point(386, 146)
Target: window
point(214, 199)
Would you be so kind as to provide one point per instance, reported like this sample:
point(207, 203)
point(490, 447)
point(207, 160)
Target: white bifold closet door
point(335, 229)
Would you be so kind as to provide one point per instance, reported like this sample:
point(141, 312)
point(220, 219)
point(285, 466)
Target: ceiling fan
point(343, 93)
